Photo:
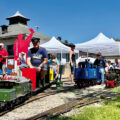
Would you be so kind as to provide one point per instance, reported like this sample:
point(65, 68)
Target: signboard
point(10, 63)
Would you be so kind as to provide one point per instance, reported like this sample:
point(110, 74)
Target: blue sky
point(74, 20)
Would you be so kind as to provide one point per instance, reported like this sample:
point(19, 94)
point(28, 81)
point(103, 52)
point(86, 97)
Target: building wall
point(8, 44)
point(8, 41)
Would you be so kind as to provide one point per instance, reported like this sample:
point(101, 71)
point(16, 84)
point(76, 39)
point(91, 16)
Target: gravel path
point(48, 102)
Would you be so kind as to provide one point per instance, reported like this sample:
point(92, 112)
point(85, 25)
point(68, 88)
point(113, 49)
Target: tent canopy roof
point(100, 38)
point(55, 46)
point(101, 43)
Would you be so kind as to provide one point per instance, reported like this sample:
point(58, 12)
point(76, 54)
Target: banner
point(22, 45)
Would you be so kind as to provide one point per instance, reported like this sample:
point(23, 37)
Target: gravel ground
point(49, 102)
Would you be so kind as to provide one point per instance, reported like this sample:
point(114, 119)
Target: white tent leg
point(87, 54)
point(61, 57)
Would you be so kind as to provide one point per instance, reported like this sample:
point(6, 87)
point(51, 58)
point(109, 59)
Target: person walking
point(37, 58)
point(72, 62)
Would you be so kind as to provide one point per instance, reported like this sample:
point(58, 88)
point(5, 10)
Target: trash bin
point(61, 70)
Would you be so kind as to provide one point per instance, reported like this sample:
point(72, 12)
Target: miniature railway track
point(61, 109)
point(80, 102)
point(42, 95)
point(37, 97)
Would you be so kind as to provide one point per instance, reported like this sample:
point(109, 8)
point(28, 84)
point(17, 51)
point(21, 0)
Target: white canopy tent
point(108, 47)
point(55, 46)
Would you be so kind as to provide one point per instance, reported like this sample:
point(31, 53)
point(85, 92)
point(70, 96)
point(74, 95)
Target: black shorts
point(1, 65)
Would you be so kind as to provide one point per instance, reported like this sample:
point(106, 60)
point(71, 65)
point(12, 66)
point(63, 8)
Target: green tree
point(117, 39)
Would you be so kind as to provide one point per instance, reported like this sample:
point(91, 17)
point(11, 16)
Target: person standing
point(3, 56)
point(72, 61)
point(37, 58)
point(100, 63)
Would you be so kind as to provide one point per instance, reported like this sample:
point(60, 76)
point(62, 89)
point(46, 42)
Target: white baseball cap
point(1, 44)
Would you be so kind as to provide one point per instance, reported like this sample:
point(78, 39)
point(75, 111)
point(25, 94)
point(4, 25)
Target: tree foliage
point(59, 38)
point(117, 39)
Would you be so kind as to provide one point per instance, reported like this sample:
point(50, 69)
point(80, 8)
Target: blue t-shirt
point(100, 62)
point(54, 65)
point(51, 62)
point(37, 56)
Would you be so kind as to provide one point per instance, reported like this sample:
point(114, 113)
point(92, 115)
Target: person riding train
point(37, 58)
point(54, 63)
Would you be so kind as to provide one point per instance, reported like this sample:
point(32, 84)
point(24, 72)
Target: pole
point(87, 54)
point(61, 57)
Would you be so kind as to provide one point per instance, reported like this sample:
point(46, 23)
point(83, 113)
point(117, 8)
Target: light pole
point(37, 28)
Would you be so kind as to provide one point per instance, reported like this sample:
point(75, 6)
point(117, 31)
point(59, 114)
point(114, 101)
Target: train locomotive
point(87, 74)
point(16, 89)
point(113, 78)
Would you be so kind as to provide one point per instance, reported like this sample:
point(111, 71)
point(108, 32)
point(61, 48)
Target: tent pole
point(78, 54)
point(87, 54)
point(61, 57)
point(119, 49)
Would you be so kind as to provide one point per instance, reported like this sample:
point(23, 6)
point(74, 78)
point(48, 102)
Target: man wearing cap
point(37, 58)
point(3, 56)
point(100, 63)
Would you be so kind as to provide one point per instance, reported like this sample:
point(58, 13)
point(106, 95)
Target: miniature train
point(113, 78)
point(87, 74)
point(15, 90)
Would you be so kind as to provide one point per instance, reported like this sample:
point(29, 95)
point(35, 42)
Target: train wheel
point(79, 84)
point(10, 105)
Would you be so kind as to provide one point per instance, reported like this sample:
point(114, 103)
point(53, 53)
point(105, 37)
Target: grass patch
point(110, 110)
point(116, 89)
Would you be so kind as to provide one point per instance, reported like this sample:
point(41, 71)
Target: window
point(59, 56)
point(10, 50)
point(67, 57)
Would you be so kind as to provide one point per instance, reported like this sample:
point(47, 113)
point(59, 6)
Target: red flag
point(22, 45)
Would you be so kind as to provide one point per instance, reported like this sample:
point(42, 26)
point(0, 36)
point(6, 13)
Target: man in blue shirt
point(100, 63)
point(37, 58)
